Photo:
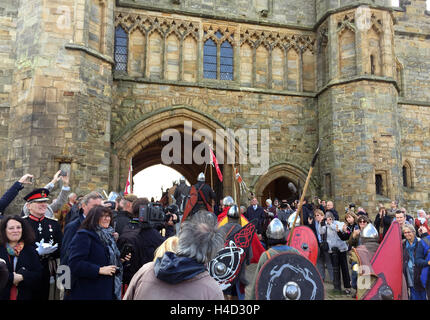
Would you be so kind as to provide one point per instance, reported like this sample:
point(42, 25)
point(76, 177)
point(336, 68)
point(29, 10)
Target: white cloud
point(148, 182)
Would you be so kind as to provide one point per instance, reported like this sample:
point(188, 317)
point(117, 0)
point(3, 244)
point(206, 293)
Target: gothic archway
point(278, 177)
point(142, 142)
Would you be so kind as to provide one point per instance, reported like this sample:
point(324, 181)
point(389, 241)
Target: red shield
point(304, 240)
point(387, 264)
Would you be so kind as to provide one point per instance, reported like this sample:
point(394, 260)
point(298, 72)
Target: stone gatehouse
point(87, 85)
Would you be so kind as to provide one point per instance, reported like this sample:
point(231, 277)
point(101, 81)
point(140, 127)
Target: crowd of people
point(133, 248)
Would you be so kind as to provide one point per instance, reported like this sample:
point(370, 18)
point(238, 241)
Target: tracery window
point(120, 49)
point(217, 58)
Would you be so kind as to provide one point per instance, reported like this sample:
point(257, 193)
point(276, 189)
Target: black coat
point(28, 265)
point(257, 215)
point(385, 221)
point(121, 221)
point(69, 232)
point(87, 254)
point(144, 241)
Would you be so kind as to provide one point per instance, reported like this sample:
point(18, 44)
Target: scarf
point(106, 235)
point(14, 252)
point(410, 248)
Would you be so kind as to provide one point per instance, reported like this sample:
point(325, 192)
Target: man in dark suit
point(255, 212)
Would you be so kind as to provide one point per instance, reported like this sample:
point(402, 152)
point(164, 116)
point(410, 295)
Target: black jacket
point(257, 217)
point(207, 191)
point(69, 232)
point(28, 265)
point(385, 221)
point(9, 195)
point(144, 241)
point(121, 221)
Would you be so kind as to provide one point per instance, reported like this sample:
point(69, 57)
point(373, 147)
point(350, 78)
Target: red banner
point(215, 164)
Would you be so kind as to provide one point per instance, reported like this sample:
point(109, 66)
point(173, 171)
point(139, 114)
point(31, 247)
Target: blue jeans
point(354, 276)
point(417, 295)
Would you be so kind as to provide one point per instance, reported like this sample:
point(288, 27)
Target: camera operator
point(170, 221)
point(284, 213)
point(143, 239)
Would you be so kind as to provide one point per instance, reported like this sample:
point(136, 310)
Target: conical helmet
point(182, 179)
point(275, 230)
point(369, 232)
point(201, 177)
point(228, 201)
point(233, 212)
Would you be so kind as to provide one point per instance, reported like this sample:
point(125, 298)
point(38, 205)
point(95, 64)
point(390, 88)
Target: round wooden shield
point(304, 240)
point(289, 276)
point(226, 265)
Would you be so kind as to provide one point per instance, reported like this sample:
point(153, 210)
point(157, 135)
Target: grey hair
point(199, 238)
point(409, 227)
point(71, 195)
point(91, 195)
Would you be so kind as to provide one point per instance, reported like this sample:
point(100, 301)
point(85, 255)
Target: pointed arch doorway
point(142, 141)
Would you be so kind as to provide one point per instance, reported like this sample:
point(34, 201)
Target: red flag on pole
point(129, 184)
point(214, 162)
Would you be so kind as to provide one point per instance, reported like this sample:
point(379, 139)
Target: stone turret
point(358, 116)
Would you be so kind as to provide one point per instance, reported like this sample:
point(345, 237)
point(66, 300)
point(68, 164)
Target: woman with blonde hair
point(167, 246)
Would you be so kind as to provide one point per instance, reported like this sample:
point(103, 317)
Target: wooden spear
point(299, 208)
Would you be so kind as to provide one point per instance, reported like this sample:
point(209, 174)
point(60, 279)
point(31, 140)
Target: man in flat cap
point(48, 237)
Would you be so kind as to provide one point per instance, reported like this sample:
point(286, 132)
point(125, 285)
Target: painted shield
point(289, 276)
point(226, 265)
point(257, 248)
point(304, 240)
point(387, 265)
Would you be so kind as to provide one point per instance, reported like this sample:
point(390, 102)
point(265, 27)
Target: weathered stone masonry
point(352, 73)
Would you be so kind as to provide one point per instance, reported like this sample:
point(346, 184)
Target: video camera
point(154, 215)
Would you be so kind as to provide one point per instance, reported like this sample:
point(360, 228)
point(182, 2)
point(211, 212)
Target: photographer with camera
point(141, 236)
point(284, 213)
point(170, 221)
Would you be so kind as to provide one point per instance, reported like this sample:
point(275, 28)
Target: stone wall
point(291, 120)
point(412, 49)
point(61, 93)
point(280, 12)
point(8, 24)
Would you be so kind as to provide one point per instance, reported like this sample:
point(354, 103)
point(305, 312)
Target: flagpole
point(131, 175)
point(212, 182)
point(234, 183)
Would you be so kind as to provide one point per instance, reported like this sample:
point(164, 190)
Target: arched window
point(379, 184)
point(217, 65)
point(226, 61)
point(372, 64)
point(210, 60)
point(407, 174)
point(121, 49)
